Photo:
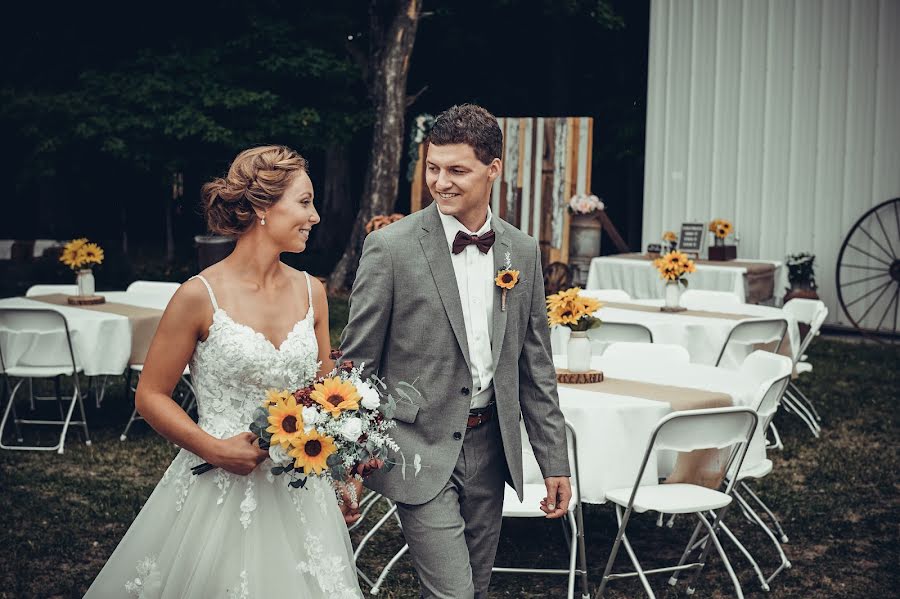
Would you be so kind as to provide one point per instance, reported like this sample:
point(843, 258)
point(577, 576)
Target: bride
point(244, 325)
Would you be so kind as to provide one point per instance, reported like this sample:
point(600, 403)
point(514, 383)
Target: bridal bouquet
point(335, 428)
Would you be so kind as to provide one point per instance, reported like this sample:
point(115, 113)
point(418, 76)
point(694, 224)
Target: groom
point(426, 309)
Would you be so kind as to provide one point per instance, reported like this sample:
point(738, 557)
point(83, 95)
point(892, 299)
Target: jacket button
point(457, 436)
point(464, 390)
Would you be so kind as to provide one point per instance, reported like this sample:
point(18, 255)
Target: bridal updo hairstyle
point(257, 178)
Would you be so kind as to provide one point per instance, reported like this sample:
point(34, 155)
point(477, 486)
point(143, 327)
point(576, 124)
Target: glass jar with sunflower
point(673, 269)
point(721, 229)
point(576, 312)
point(81, 255)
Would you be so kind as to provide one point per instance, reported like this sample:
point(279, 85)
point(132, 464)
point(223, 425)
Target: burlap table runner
point(656, 310)
point(760, 276)
point(704, 467)
point(143, 321)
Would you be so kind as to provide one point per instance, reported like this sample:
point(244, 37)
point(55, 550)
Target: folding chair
point(683, 431)
point(188, 401)
point(36, 344)
point(703, 299)
point(51, 289)
point(602, 337)
point(529, 507)
point(755, 332)
point(649, 352)
point(812, 313)
point(366, 504)
point(164, 289)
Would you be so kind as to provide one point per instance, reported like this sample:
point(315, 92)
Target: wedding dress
point(223, 535)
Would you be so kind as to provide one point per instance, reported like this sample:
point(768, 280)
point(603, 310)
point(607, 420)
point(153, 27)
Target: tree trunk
point(336, 210)
point(392, 48)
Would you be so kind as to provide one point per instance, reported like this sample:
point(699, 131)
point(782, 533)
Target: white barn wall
point(780, 115)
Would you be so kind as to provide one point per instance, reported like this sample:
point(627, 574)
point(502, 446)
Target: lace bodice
point(234, 366)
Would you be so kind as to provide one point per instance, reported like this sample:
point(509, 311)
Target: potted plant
point(81, 255)
point(673, 269)
point(721, 229)
point(801, 276)
point(571, 309)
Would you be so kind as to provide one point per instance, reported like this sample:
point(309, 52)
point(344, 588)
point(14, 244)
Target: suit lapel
point(498, 320)
point(434, 245)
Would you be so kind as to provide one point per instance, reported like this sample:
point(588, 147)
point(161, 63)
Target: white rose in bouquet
point(279, 455)
point(370, 398)
point(351, 429)
point(310, 416)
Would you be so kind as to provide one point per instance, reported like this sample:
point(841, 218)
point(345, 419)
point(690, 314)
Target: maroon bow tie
point(482, 242)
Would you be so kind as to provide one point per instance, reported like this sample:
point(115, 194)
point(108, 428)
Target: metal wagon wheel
point(878, 265)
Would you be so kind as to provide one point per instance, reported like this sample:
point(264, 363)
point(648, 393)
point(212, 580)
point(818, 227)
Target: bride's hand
point(238, 454)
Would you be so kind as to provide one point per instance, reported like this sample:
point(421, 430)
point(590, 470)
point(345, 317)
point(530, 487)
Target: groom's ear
point(494, 169)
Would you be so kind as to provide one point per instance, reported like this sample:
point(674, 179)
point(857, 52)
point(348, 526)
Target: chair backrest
point(607, 295)
point(703, 299)
point(763, 366)
point(810, 312)
point(759, 331)
point(35, 338)
point(51, 289)
point(165, 288)
point(649, 352)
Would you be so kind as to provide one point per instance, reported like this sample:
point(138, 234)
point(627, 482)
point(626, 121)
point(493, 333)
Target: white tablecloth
point(641, 280)
point(612, 431)
point(102, 341)
point(702, 337)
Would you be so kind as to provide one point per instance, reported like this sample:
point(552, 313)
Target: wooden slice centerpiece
point(567, 377)
point(86, 300)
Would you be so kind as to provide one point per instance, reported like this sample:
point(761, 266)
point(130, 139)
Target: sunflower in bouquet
point(674, 266)
point(571, 309)
point(81, 253)
point(336, 428)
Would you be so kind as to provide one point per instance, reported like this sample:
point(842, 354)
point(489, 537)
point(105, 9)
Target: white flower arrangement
point(585, 204)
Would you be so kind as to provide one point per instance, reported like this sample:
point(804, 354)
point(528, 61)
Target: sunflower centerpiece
point(673, 269)
point(81, 256)
point(574, 311)
point(721, 229)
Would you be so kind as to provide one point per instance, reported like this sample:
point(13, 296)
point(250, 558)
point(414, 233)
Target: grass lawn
point(837, 497)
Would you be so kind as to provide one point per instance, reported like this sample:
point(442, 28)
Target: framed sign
point(692, 237)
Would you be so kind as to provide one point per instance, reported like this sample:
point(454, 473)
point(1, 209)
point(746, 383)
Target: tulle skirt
point(223, 535)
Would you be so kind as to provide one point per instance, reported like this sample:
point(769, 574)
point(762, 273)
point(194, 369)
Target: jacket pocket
point(406, 412)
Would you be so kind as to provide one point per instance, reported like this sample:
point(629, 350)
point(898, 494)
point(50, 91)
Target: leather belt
point(479, 417)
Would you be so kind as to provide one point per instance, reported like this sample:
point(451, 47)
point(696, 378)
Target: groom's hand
point(559, 494)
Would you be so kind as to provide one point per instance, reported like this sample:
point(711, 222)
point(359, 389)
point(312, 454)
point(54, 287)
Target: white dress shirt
point(475, 281)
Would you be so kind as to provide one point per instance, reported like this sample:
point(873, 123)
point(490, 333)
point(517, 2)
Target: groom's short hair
point(472, 125)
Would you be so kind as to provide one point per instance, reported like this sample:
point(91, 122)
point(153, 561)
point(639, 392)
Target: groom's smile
point(460, 183)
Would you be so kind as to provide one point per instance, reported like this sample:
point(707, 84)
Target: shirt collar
point(453, 226)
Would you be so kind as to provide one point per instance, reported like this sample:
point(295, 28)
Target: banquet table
point(701, 333)
point(612, 430)
point(105, 342)
point(636, 275)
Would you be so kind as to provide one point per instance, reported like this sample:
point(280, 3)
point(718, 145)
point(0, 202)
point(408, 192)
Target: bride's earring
point(262, 221)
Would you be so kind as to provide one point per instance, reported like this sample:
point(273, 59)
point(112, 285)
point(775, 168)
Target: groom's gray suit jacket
point(406, 324)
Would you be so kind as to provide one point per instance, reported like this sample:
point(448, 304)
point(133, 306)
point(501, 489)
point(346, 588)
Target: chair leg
point(739, 593)
point(387, 569)
point(582, 557)
point(776, 443)
point(84, 425)
point(67, 421)
point(772, 516)
point(796, 391)
point(785, 562)
point(792, 407)
point(31, 394)
point(612, 554)
point(634, 559)
point(800, 405)
point(573, 555)
point(762, 579)
point(673, 580)
point(10, 407)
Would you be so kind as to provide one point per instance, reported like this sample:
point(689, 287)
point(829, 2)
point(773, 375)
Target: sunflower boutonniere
point(507, 278)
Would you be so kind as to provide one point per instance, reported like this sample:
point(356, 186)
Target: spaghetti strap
point(309, 291)
point(212, 296)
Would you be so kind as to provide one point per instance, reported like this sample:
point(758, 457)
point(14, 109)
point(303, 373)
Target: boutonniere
point(507, 278)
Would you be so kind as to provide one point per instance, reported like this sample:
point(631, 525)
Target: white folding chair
point(164, 289)
point(625, 351)
point(753, 333)
point(51, 289)
point(529, 507)
point(188, 399)
point(718, 428)
point(36, 344)
point(607, 295)
point(703, 299)
point(812, 313)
